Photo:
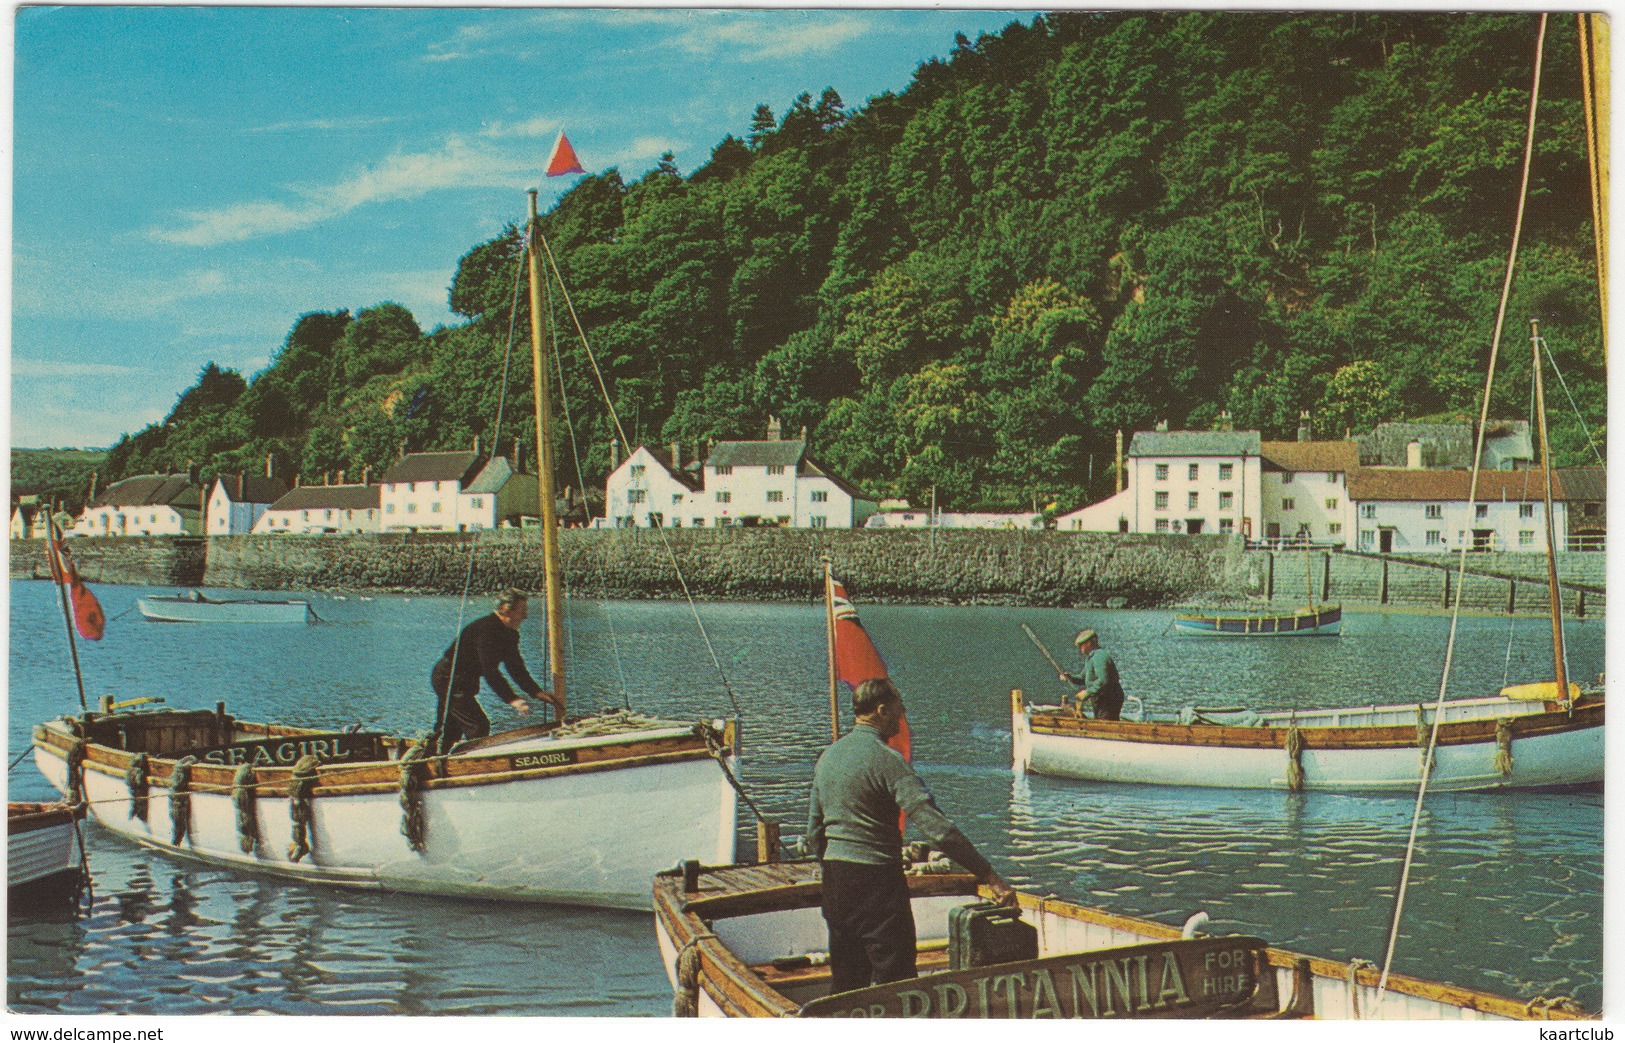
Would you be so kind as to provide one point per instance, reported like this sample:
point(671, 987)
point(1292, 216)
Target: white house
point(1420, 511)
point(1192, 482)
point(1305, 490)
point(772, 482)
point(237, 502)
point(420, 493)
point(498, 496)
point(23, 520)
point(146, 505)
point(312, 509)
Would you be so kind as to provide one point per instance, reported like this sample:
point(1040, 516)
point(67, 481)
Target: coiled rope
point(685, 1001)
point(300, 785)
point(139, 784)
point(1355, 966)
point(180, 800)
point(1503, 745)
point(1424, 740)
point(76, 769)
point(414, 773)
point(243, 799)
point(1294, 759)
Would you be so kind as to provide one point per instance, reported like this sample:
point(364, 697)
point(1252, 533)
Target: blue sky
point(188, 181)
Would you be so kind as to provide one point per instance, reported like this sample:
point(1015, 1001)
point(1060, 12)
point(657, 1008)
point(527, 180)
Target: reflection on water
point(1506, 890)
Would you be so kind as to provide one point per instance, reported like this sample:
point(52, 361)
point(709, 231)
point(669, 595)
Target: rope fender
point(76, 769)
point(1356, 964)
point(1424, 735)
point(139, 785)
point(1503, 745)
point(300, 813)
point(1294, 759)
point(414, 773)
point(686, 1000)
point(243, 799)
point(180, 800)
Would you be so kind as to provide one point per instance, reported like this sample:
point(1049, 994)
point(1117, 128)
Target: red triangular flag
point(563, 161)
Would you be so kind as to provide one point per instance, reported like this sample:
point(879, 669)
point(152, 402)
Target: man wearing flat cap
point(1098, 683)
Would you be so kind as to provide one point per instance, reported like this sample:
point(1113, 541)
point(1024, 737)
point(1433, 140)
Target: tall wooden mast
point(1551, 545)
point(544, 462)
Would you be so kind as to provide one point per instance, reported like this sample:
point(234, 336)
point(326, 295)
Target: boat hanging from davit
point(581, 812)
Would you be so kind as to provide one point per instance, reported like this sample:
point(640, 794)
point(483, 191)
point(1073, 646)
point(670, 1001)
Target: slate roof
point(1584, 483)
point(434, 467)
point(1443, 445)
point(686, 478)
point(492, 477)
point(321, 497)
point(1341, 455)
point(816, 468)
point(151, 490)
point(756, 454)
point(252, 488)
point(1195, 443)
point(1384, 483)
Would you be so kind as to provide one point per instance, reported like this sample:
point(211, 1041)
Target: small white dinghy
point(199, 608)
point(43, 856)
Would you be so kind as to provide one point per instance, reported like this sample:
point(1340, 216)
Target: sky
point(188, 181)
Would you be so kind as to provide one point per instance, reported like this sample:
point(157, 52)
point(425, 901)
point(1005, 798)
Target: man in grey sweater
point(859, 786)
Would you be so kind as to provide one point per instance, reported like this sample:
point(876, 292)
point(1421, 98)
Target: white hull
point(1349, 750)
point(590, 838)
point(164, 609)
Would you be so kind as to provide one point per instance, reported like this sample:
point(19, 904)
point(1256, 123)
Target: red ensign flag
point(857, 660)
point(88, 617)
point(563, 161)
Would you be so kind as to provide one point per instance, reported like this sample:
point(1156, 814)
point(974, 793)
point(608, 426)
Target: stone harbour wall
point(1062, 569)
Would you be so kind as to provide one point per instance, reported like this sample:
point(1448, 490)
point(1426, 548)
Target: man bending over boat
point(1099, 683)
point(859, 786)
point(484, 648)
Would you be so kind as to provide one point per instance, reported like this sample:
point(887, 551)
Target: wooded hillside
point(1088, 222)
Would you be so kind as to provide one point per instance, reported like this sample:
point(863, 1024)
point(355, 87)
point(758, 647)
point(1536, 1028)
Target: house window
point(1335, 477)
point(820, 522)
point(1335, 529)
point(676, 498)
point(411, 508)
point(636, 495)
point(1286, 478)
point(1190, 501)
point(1226, 526)
point(775, 496)
point(1433, 510)
point(1162, 472)
point(1193, 472)
point(1367, 539)
point(411, 487)
point(637, 470)
point(1526, 510)
point(1226, 472)
point(819, 496)
point(1227, 501)
point(328, 514)
point(775, 469)
point(304, 516)
point(1331, 503)
point(722, 470)
point(389, 508)
point(1289, 504)
point(434, 508)
point(698, 523)
point(477, 502)
point(1434, 538)
point(724, 496)
point(1526, 537)
point(1162, 524)
point(1162, 501)
point(1482, 511)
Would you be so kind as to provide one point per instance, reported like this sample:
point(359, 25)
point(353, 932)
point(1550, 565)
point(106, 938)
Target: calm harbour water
point(1506, 890)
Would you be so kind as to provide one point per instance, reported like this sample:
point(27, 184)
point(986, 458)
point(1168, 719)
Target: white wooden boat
point(574, 815)
point(1506, 741)
point(43, 856)
point(199, 608)
point(1313, 621)
point(748, 941)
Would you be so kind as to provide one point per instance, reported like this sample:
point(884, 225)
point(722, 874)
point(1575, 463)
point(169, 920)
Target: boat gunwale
point(41, 815)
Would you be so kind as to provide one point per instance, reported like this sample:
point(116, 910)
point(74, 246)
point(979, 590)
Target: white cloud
point(39, 369)
point(748, 37)
point(355, 123)
point(398, 177)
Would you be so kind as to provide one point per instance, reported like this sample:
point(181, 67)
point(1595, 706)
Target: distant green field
point(55, 475)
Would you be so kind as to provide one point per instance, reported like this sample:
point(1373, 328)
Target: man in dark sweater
point(859, 786)
point(483, 649)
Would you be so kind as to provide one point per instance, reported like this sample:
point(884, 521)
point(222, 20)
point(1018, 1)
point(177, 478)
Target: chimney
point(772, 428)
point(366, 474)
point(1162, 425)
point(327, 477)
point(269, 470)
point(676, 456)
point(803, 434)
point(1303, 426)
point(518, 457)
point(341, 476)
point(476, 445)
point(1413, 455)
point(614, 453)
point(239, 487)
point(1119, 459)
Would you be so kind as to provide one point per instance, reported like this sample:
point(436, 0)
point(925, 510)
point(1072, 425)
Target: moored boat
point(748, 941)
point(43, 854)
point(581, 814)
point(1507, 741)
point(199, 608)
point(1312, 621)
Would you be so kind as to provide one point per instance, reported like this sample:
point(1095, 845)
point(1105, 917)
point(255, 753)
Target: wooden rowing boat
point(197, 608)
point(1499, 742)
point(748, 941)
point(542, 815)
point(1313, 621)
point(43, 857)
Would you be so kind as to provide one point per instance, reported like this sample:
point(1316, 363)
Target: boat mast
point(544, 462)
point(829, 629)
point(1556, 595)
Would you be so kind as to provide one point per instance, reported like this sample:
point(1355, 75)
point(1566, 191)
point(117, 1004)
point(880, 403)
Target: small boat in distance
point(1323, 620)
point(43, 857)
point(197, 607)
point(747, 941)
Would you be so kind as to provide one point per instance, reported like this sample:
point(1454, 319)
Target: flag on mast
point(563, 160)
point(858, 660)
point(88, 617)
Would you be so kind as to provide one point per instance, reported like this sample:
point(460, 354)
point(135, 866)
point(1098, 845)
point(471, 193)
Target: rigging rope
point(1472, 500)
point(1592, 442)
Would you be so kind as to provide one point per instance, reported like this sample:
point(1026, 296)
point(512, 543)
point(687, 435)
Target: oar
point(1044, 651)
